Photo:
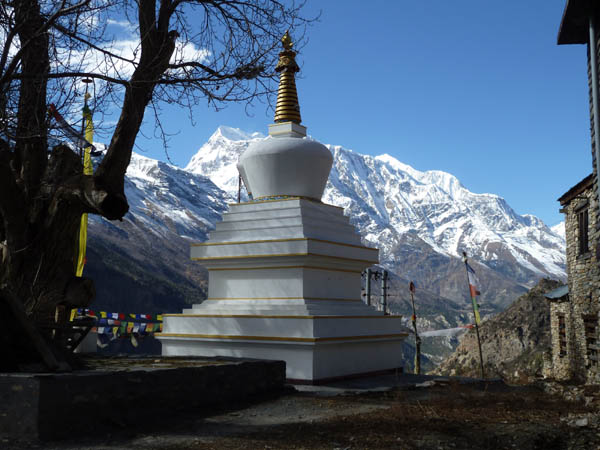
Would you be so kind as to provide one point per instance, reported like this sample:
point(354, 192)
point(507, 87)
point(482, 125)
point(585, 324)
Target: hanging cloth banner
point(87, 170)
point(473, 290)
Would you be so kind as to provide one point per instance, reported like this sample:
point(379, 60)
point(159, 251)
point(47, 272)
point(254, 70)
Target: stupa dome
point(287, 163)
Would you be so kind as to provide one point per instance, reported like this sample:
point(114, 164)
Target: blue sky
point(475, 88)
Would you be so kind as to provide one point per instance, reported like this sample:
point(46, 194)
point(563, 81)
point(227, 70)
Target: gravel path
point(420, 413)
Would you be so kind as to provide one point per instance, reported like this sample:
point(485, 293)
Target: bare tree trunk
point(48, 195)
point(42, 194)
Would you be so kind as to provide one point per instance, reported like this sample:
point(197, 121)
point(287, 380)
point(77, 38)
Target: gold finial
point(286, 40)
point(288, 108)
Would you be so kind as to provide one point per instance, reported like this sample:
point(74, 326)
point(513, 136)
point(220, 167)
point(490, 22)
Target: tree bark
point(47, 195)
point(31, 142)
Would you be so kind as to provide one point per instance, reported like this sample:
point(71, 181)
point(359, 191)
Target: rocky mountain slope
point(513, 342)
point(421, 221)
point(141, 264)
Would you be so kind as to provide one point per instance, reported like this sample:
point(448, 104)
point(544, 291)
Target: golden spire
point(288, 108)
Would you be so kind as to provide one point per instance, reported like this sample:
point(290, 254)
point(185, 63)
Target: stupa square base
point(284, 284)
point(305, 361)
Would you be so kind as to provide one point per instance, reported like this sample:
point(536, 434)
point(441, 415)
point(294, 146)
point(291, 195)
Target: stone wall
point(55, 406)
point(561, 364)
point(584, 286)
point(586, 273)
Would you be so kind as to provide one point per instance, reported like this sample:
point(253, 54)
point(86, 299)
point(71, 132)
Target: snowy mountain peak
point(396, 164)
point(143, 167)
point(234, 134)
point(448, 182)
point(388, 200)
point(219, 156)
point(559, 229)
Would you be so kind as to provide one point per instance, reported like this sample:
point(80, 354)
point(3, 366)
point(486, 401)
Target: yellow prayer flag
point(477, 317)
point(87, 170)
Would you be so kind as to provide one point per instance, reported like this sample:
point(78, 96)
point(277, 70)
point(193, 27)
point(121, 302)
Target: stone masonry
point(578, 316)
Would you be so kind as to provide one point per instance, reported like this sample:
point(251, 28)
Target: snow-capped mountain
point(166, 198)
point(421, 221)
point(217, 159)
point(559, 229)
point(141, 264)
point(388, 201)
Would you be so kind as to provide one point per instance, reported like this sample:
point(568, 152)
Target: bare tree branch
point(183, 52)
point(91, 45)
point(72, 75)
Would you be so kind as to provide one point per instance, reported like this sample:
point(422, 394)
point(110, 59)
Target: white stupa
point(285, 268)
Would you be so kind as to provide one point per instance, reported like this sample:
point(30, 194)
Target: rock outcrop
point(513, 342)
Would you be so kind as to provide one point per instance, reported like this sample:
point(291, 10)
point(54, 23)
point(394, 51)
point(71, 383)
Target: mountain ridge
point(386, 199)
point(421, 221)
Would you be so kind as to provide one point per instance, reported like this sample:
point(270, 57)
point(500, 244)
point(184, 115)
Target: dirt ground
point(443, 414)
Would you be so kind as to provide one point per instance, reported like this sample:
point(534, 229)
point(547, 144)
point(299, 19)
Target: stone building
point(574, 311)
point(574, 315)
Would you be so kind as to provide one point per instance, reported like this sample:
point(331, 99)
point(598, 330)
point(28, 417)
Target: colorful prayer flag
point(473, 283)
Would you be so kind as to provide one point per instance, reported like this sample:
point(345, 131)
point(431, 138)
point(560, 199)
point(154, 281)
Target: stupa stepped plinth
point(285, 269)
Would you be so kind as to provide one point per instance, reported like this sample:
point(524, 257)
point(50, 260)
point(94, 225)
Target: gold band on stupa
point(288, 108)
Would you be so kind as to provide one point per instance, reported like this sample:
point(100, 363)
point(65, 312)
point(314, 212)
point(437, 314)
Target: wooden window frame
point(590, 329)
point(583, 222)
point(562, 335)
